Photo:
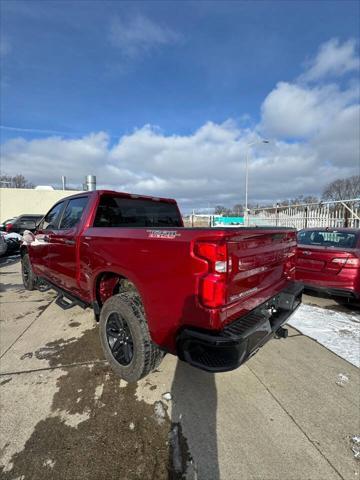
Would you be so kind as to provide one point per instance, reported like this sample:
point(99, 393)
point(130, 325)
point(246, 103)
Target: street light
point(247, 172)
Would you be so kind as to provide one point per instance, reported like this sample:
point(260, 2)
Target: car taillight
point(212, 286)
point(8, 227)
point(351, 262)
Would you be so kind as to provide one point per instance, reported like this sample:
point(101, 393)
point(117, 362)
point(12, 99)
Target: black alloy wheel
point(119, 339)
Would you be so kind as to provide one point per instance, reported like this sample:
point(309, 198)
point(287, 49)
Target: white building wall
point(18, 201)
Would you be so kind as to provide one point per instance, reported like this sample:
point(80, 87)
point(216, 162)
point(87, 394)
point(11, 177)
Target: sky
point(164, 98)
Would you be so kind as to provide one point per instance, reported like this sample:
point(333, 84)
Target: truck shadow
point(193, 418)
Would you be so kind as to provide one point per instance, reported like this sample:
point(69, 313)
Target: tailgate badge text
point(169, 234)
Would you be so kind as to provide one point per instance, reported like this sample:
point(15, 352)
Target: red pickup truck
point(212, 296)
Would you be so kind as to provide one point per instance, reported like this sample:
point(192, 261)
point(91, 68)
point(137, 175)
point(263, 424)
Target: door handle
point(69, 242)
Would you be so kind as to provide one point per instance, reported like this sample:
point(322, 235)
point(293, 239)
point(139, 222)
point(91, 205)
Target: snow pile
point(339, 332)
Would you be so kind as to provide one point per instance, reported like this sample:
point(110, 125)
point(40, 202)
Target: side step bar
point(64, 299)
point(64, 302)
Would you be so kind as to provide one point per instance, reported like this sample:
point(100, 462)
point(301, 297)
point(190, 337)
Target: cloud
point(314, 131)
point(205, 167)
point(325, 116)
point(333, 59)
point(43, 160)
point(296, 110)
point(340, 140)
point(139, 35)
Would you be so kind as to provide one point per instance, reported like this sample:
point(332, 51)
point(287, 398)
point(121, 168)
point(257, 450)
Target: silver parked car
point(3, 245)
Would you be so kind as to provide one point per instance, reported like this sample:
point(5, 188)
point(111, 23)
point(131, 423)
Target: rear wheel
point(125, 337)
point(28, 277)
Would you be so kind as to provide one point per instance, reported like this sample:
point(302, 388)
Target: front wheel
point(125, 337)
point(28, 277)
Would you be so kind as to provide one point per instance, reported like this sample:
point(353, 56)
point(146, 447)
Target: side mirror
point(28, 236)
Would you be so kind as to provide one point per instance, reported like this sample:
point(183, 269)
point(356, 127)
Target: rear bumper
point(336, 292)
point(238, 341)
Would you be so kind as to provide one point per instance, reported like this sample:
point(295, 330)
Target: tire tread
point(151, 353)
point(31, 283)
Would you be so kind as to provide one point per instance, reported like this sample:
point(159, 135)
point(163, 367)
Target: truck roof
point(121, 194)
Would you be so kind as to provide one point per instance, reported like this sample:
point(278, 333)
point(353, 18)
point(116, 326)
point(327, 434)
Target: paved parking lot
point(284, 415)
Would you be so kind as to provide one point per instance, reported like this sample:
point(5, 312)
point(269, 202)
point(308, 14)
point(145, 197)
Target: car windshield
point(324, 238)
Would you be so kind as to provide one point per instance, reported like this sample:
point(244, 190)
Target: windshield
point(325, 238)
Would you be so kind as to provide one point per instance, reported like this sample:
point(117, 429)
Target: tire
point(125, 337)
point(28, 277)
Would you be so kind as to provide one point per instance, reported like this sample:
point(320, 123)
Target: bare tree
point(299, 200)
point(220, 210)
point(17, 181)
point(343, 189)
point(5, 181)
point(238, 210)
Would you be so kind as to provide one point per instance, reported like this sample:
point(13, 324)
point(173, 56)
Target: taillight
point(8, 227)
point(212, 286)
point(212, 291)
point(215, 255)
point(351, 262)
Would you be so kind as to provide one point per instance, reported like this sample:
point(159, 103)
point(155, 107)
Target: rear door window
point(116, 211)
point(324, 238)
point(73, 212)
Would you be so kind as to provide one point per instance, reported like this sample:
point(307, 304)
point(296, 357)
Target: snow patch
point(160, 412)
point(356, 446)
point(339, 332)
point(49, 463)
point(342, 380)
point(99, 391)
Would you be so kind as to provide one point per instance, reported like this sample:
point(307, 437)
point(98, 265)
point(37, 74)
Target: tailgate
point(258, 260)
